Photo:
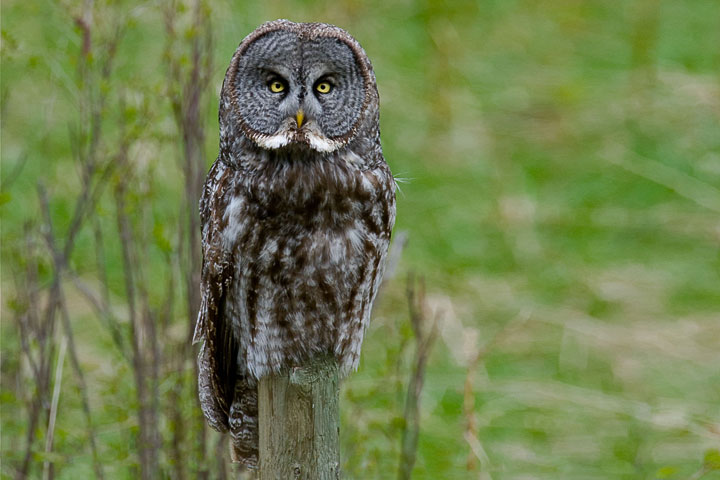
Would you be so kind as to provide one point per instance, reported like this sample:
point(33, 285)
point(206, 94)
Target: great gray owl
point(296, 217)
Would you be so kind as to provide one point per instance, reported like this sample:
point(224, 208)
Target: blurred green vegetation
point(561, 195)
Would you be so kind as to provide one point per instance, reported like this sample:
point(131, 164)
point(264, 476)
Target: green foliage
point(712, 459)
point(563, 166)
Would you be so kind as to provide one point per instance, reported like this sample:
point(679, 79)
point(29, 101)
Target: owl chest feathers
point(307, 240)
point(300, 197)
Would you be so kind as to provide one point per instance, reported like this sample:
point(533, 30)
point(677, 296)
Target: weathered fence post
point(299, 423)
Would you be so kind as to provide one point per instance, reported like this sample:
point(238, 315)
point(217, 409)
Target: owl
point(296, 215)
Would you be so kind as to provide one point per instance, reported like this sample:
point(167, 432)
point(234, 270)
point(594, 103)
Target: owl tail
point(243, 423)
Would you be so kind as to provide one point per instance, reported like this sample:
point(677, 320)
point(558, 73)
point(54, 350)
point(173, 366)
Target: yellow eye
point(323, 87)
point(276, 86)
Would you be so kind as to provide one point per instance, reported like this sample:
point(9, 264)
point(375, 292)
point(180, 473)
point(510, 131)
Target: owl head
point(298, 85)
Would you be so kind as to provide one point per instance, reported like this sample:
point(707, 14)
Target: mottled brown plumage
point(296, 217)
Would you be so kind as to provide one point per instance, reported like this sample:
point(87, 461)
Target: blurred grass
point(562, 163)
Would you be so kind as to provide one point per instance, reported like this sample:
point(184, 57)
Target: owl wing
point(217, 367)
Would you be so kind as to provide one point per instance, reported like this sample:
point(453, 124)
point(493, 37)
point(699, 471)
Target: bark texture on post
point(299, 423)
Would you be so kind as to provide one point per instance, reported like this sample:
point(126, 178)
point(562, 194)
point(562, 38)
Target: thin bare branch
point(82, 387)
point(471, 427)
point(102, 310)
point(60, 263)
point(8, 178)
point(689, 187)
point(148, 458)
point(425, 332)
point(48, 470)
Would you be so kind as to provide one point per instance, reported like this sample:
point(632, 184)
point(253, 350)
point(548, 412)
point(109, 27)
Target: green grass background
point(561, 196)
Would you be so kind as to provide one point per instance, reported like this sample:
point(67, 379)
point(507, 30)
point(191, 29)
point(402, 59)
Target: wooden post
point(299, 423)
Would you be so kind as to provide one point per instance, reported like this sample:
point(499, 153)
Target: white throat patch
point(273, 142)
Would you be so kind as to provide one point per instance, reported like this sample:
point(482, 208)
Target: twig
point(186, 100)
point(59, 263)
point(691, 188)
point(147, 450)
point(28, 326)
point(186, 87)
point(97, 466)
point(424, 339)
point(48, 472)
point(28, 321)
point(700, 473)
point(471, 429)
point(177, 426)
point(9, 177)
point(102, 310)
point(43, 333)
point(478, 452)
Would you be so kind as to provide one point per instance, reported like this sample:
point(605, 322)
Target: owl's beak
point(299, 117)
